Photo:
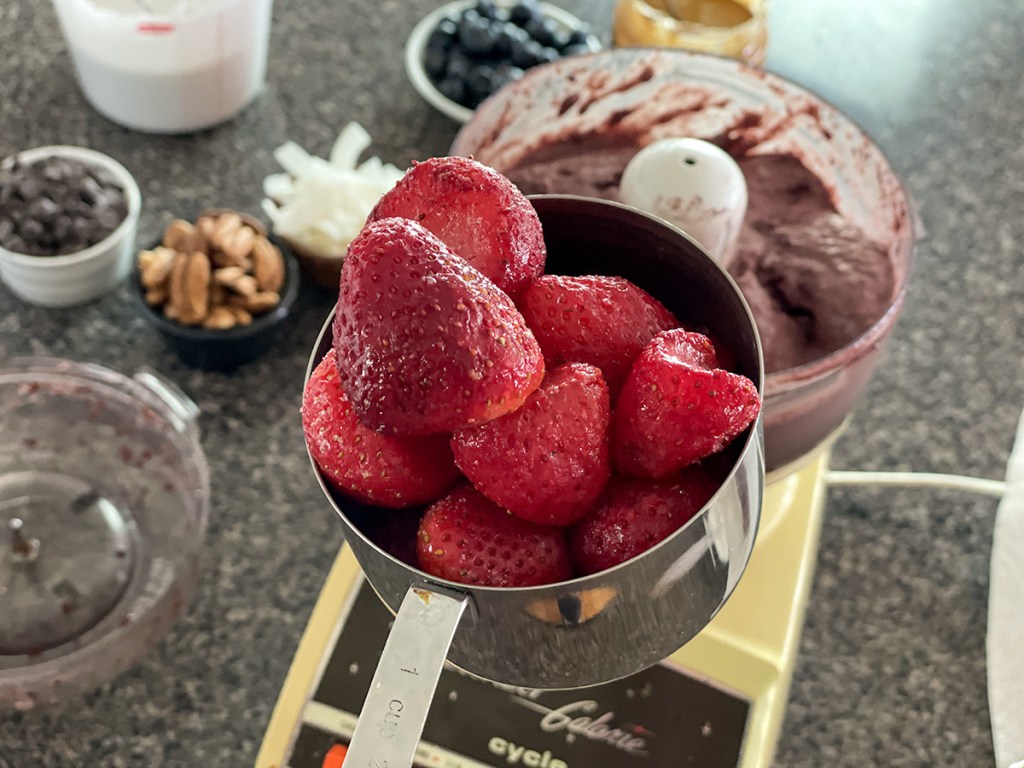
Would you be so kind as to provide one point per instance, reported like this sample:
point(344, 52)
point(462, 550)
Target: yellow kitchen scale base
point(718, 702)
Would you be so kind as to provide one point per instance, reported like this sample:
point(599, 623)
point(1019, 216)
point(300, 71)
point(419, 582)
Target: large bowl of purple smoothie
point(826, 246)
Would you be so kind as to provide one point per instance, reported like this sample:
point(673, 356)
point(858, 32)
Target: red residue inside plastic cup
point(154, 27)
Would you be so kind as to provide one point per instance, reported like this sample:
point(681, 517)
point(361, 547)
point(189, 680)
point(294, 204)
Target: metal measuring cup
point(597, 628)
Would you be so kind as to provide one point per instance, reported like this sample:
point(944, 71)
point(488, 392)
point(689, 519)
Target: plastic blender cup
point(104, 502)
point(168, 66)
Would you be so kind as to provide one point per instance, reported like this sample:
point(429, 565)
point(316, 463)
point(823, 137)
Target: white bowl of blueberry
point(466, 50)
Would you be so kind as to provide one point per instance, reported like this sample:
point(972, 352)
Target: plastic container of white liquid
point(168, 66)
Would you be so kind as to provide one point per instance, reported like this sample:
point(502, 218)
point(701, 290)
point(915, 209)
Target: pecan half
point(239, 247)
point(156, 297)
point(220, 319)
point(175, 234)
point(235, 279)
point(155, 267)
point(242, 316)
point(212, 214)
point(264, 301)
point(190, 287)
point(225, 229)
point(267, 265)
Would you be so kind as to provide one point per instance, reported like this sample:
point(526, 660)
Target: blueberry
point(505, 74)
point(449, 25)
point(547, 55)
point(527, 53)
point(454, 90)
point(487, 9)
point(481, 81)
point(435, 61)
point(440, 40)
point(476, 34)
point(458, 66)
point(559, 38)
point(579, 36)
point(575, 49)
point(535, 28)
point(546, 32)
point(507, 34)
point(443, 38)
point(524, 12)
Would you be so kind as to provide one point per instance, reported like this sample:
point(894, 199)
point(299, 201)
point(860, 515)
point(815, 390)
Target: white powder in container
point(168, 66)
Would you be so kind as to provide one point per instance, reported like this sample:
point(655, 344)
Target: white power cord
point(918, 479)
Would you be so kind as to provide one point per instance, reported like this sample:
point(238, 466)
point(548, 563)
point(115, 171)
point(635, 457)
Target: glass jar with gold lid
point(734, 28)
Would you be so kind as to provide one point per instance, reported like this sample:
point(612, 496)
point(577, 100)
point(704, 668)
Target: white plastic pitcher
point(168, 66)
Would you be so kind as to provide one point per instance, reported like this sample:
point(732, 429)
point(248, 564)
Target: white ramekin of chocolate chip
point(68, 217)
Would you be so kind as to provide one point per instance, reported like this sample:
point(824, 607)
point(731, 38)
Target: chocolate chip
point(62, 229)
point(43, 209)
point(57, 205)
point(108, 218)
point(90, 190)
point(58, 170)
point(29, 188)
point(30, 230)
point(105, 177)
point(76, 206)
point(83, 227)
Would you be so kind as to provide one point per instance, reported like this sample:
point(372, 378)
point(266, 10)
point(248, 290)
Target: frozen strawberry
point(467, 538)
point(385, 471)
point(677, 408)
point(477, 212)
point(604, 321)
point(548, 461)
point(634, 515)
point(426, 343)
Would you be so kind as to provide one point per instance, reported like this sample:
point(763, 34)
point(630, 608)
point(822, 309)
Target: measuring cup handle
point(396, 707)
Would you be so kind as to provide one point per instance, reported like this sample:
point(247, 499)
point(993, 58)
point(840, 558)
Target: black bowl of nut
point(217, 289)
point(461, 53)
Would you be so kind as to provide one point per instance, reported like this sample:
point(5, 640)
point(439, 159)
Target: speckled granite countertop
point(892, 663)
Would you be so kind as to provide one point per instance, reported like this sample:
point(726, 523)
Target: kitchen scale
point(718, 702)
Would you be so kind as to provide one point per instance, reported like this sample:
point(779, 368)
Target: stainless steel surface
point(403, 685)
point(606, 626)
point(23, 549)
